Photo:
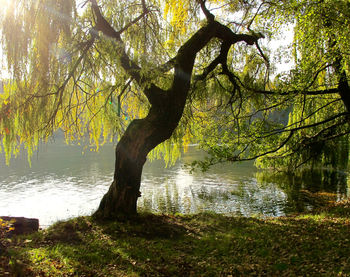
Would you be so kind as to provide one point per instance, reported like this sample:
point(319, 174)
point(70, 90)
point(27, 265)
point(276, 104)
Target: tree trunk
point(141, 136)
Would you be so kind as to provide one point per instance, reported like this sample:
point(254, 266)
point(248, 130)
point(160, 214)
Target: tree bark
point(140, 138)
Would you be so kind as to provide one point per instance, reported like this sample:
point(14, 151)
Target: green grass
point(311, 244)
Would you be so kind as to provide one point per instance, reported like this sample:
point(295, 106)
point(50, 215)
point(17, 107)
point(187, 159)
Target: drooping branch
point(296, 126)
point(267, 62)
point(60, 90)
point(303, 91)
point(127, 26)
point(152, 92)
point(237, 157)
point(326, 134)
point(285, 129)
point(317, 73)
point(102, 25)
point(274, 150)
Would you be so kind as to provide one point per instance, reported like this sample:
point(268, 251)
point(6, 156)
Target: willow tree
point(95, 67)
point(320, 115)
point(301, 118)
point(160, 73)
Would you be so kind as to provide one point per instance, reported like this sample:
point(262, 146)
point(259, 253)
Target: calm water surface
point(63, 183)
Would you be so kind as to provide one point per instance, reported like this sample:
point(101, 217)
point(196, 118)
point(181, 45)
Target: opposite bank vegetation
point(310, 244)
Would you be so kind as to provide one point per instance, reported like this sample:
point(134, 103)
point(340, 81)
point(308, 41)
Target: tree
point(169, 71)
point(109, 51)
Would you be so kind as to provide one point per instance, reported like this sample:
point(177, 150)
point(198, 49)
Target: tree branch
point(236, 158)
point(60, 90)
point(153, 93)
point(134, 21)
point(279, 131)
point(210, 17)
point(103, 26)
point(220, 59)
point(295, 92)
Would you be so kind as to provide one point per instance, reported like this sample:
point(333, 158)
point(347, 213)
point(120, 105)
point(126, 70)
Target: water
point(63, 183)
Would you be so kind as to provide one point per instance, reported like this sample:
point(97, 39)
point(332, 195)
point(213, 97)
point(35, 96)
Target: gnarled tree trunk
point(141, 136)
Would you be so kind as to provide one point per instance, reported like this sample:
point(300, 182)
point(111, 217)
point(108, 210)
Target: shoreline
point(206, 244)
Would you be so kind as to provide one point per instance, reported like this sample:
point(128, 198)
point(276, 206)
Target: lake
point(63, 183)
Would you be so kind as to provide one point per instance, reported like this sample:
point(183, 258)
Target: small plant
point(5, 228)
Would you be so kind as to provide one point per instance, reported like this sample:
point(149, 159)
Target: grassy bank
point(200, 245)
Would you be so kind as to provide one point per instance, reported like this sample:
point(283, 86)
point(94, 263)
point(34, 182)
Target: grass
point(313, 244)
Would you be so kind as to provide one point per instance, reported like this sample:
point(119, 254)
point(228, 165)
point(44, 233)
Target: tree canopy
point(299, 117)
point(61, 80)
point(65, 75)
point(192, 71)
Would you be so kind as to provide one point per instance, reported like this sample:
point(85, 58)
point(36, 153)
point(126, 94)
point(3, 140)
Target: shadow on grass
point(198, 245)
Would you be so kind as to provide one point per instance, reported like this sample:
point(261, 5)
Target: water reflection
point(63, 183)
point(297, 187)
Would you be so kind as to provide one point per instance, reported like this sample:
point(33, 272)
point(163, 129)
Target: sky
point(3, 71)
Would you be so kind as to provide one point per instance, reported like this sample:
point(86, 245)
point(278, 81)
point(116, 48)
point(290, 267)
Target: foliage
point(321, 43)
point(301, 117)
point(197, 245)
point(66, 75)
point(5, 228)
point(59, 82)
